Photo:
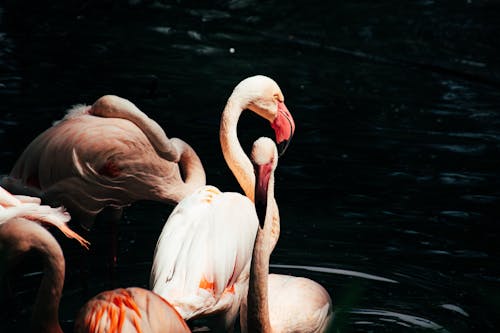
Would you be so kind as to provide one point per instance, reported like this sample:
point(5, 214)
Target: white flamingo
point(277, 303)
point(202, 256)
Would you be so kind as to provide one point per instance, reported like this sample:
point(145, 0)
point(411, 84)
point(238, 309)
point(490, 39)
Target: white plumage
point(203, 249)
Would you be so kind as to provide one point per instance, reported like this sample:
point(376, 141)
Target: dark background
point(389, 192)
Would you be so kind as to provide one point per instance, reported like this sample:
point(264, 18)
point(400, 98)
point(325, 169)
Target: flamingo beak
point(262, 175)
point(282, 146)
point(284, 127)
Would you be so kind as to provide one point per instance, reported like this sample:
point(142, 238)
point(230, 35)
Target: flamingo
point(109, 154)
point(121, 310)
point(19, 234)
point(277, 303)
point(202, 255)
point(130, 310)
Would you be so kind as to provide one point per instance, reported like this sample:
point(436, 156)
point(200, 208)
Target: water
point(389, 191)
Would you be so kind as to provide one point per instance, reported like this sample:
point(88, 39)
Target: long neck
point(276, 228)
point(235, 157)
point(19, 236)
point(45, 317)
point(258, 303)
point(110, 106)
point(238, 161)
point(190, 166)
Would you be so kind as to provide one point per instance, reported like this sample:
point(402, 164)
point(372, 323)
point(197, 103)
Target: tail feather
point(12, 206)
point(57, 217)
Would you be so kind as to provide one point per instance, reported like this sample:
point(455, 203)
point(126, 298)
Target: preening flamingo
point(277, 303)
point(109, 154)
point(131, 310)
point(19, 234)
point(202, 256)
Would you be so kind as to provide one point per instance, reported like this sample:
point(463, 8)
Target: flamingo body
point(105, 155)
point(198, 271)
point(202, 257)
point(129, 310)
point(296, 304)
point(277, 303)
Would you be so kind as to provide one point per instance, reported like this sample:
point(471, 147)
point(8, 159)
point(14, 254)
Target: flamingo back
point(87, 163)
point(298, 304)
point(129, 310)
point(203, 250)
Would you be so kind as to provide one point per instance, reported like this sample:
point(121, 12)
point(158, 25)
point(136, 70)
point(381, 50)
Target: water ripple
point(455, 308)
point(336, 271)
point(163, 30)
point(461, 149)
point(401, 319)
point(210, 14)
point(477, 198)
point(451, 178)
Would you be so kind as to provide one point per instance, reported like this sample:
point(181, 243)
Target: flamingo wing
point(129, 310)
point(204, 247)
point(7, 199)
point(29, 208)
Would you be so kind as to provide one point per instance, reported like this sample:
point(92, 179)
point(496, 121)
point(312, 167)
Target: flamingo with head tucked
point(109, 154)
point(202, 256)
point(277, 303)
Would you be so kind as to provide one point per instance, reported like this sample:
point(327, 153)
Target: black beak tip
point(261, 213)
point(282, 146)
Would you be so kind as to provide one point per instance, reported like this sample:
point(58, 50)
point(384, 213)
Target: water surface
point(389, 191)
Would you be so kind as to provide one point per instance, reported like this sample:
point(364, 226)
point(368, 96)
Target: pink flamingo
point(202, 256)
point(19, 234)
point(131, 310)
point(109, 154)
point(277, 303)
point(121, 310)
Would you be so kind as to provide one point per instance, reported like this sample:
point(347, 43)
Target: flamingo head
point(265, 159)
point(263, 96)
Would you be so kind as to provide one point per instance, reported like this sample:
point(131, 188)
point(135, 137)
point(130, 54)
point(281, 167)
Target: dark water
point(389, 192)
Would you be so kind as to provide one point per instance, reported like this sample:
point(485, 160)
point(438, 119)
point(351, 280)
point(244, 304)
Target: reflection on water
point(399, 319)
point(335, 271)
point(388, 192)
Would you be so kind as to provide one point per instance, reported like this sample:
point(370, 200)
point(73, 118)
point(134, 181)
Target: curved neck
point(111, 106)
point(190, 166)
point(238, 161)
point(235, 157)
point(276, 228)
point(19, 236)
point(45, 317)
point(258, 302)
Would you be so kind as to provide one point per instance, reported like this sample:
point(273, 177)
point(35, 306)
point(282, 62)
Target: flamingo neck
point(45, 317)
point(191, 168)
point(258, 302)
point(110, 106)
point(276, 227)
point(235, 157)
point(238, 161)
